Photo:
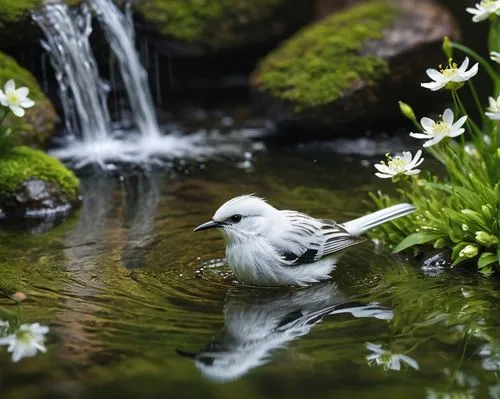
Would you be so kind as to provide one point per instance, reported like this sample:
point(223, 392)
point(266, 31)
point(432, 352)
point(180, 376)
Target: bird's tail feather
point(361, 225)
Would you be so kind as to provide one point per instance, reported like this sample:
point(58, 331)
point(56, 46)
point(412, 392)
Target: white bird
point(267, 246)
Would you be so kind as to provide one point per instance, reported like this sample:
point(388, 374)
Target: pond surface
point(140, 306)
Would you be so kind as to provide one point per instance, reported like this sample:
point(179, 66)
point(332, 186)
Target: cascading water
point(119, 30)
point(83, 93)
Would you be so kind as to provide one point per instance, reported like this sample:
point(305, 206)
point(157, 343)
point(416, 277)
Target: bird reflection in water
point(255, 325)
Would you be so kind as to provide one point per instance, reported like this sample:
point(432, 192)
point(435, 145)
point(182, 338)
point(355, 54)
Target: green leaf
point(486, 258)
point(420, 237)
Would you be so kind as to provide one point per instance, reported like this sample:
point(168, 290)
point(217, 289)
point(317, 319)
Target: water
point(120, 33)
point(83, 93)
point(140, 306)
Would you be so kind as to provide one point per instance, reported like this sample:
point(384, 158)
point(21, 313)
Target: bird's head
point(242, 216)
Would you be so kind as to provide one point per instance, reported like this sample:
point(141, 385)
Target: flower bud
point(19, 296)
point(468, 252)
point(447, 49)
point(484, 238)
point(487, 212)
point(440, 243)
point(407, 111)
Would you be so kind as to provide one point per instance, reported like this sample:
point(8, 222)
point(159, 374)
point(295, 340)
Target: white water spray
point(119, 30)
point(83, 93)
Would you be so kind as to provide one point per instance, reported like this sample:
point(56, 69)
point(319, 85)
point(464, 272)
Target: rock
point(16, 26)
point(200, 27)
point(349, 70)
point(38, 124)
point(33, 184)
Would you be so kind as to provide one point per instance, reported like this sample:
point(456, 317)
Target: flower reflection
point(27, 341)
point(491, 358)
point(255, 325)
point(387, 359)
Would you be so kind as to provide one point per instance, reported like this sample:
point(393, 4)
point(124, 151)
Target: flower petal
point(435, 75)
point(421, 135)
point(17, 110)
point(10, 86)
point(459, 123)
point(464, 65)
point(382, 168)
point(433, 86)
point(384, 176)
point(27, 103)
point(433, 141)
point(456, 133)
point(448, 116)
point(374, 347)
point(22, 92)
point(427, 124)
point(409, 361)
point(494, 116)
point(3, 99)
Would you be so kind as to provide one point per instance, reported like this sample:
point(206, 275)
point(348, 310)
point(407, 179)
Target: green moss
point(322, 61)
point(213, 22)
point(13, 10)
point(39, 122)
point(23, 163)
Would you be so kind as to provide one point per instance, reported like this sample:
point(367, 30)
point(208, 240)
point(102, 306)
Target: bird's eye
point(236, 218)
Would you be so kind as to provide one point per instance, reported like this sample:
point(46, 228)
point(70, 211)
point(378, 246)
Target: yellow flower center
point(441, 127)
point(450, 70)
point(13, 98)
point(23, 336)
point(397, 164)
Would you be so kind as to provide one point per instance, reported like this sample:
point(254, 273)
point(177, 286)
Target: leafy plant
point(461, 211)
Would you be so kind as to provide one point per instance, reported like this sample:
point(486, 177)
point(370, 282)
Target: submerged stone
point(38, 124)
point(32, 184)
point(350, 69)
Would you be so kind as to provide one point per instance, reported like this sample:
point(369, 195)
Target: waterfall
point(119, 30)
point(83, 93)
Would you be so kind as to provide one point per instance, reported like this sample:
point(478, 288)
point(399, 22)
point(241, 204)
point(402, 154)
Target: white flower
point(26, 342)
point(15, 99)
point(399, 165)
point(495, 56)
point(434, 132)
point(491, 359)
point(452, 77)
point(386, 358)
point(484, 9)
point(494, 108)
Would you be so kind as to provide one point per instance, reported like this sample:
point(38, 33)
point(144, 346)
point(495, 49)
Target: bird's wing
point(307, 239)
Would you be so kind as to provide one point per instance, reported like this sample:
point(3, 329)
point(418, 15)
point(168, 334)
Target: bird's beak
point(209, 225)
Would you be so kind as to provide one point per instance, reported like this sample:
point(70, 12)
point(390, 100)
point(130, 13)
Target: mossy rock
point(16, 26)
point(38, 124)
point(33, 182)
point(220, 24)
point(351, 68)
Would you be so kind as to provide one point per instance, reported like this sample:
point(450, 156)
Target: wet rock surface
point(37, 199)
point(409, 45)
point(35, 185)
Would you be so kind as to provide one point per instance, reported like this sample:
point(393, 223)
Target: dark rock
point(34, 185)
point(360, 85)
point(37, 198)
